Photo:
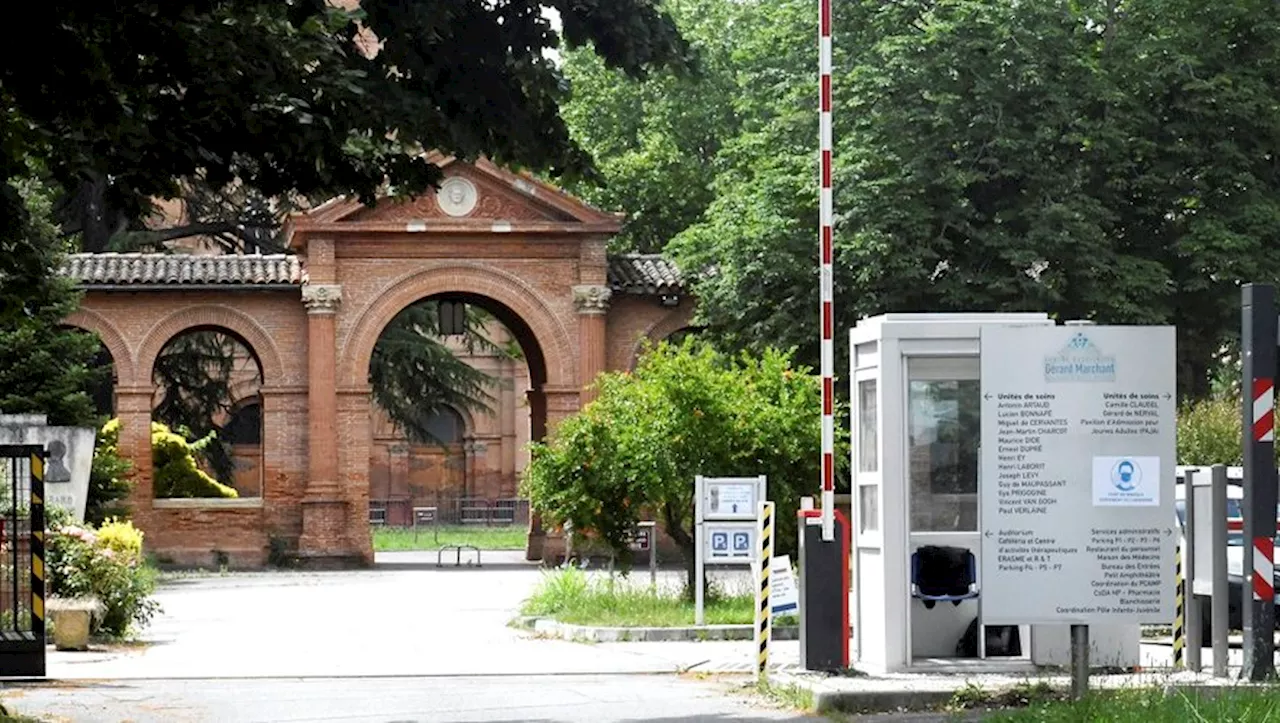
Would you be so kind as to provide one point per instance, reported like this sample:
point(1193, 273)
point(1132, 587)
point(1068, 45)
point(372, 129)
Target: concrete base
point(330, 561)
point(691, 633)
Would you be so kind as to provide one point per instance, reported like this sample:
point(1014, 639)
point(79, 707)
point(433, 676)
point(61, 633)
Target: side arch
point(243, 325)
point(524, 303)
point(112, 339)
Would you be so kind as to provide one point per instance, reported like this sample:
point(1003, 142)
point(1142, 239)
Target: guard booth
point(916, 429)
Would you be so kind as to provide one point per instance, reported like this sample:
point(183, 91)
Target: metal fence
point(480, 511)
point(22, 561)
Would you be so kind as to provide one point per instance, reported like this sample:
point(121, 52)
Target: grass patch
point(1241, 705)
point(1021, 695)
point(790, 695)
point(504, 537)
point(571, 596)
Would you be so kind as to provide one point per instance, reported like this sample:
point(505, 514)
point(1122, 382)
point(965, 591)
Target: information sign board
point(784, 596)
point(730, 498)
point(1077, 475)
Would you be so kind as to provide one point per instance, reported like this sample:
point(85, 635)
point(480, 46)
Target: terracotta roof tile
point(644, 274)
point(110, 269)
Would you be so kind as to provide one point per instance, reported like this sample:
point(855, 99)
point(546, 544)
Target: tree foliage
point(44, 365)
point(686, 410)
point(109, 477)
point(286, 98)
point(655, 140)
point(415, 376)
point(1104, 160)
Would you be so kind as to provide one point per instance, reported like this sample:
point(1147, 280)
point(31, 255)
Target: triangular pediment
point(482, 193)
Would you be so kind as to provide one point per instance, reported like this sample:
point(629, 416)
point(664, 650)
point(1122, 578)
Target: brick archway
point(255, 337)
point(121, 356)
point(518, 305)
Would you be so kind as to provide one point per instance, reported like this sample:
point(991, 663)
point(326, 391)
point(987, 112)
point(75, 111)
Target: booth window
point(868, 459)
point(944, 430)
point(868, 508)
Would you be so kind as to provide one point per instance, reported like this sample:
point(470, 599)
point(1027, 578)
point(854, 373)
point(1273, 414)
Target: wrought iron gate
point(22, 558)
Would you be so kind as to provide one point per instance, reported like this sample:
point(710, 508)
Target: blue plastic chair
point(932, 599)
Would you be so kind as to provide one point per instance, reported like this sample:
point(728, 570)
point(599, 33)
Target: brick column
point(537, 402)
point(324, 511)
point(592, 302)
point(133, 409)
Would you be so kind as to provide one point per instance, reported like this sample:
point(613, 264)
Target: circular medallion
point(457, 196)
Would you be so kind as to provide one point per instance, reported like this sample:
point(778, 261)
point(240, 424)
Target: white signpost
point(1077, 476)
point(724, 529)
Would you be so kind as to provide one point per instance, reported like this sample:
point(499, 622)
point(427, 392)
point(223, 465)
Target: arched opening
point(206, 406)
point(243, 433)
point(456, 382)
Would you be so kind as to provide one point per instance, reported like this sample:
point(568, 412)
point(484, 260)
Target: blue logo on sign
point(720, 541)
point(1126, 475)
point(1080, 360)
point(741, 542)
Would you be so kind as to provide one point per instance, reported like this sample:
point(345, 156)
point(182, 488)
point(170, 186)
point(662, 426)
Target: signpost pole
point(1219, 602)
point(1190, 608)
point(653, 556)
point(764, 608)
point(1079, 661)
point(699, 551)
point(1258, 347)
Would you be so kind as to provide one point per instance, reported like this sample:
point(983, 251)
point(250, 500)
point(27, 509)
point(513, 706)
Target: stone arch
point(112, 339)
point(659, 330)
point(251, 332)
point(522, 311)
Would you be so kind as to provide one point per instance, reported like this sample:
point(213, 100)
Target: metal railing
point(483, 511)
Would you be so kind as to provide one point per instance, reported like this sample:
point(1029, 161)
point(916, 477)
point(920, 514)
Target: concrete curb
point(593, 634)
point(886, 700)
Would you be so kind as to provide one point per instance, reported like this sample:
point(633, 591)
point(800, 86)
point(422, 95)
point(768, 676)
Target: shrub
point(176, 473)
point(105, 564)
point(1209, 432)
point(686, 410)
point(109, 483)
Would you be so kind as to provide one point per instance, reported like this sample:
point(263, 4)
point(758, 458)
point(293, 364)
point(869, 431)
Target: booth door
point(943, 434)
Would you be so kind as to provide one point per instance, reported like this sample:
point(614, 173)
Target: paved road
point(404, 642)
point(535, 699)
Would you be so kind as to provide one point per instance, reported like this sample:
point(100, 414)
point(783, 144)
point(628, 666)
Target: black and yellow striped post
point(764, 609)
point(1180, 616)
point(37, 546)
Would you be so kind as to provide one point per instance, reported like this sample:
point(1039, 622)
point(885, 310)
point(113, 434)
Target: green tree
point(245, 107)
point(287, 99)
point(44, 366)
point(655, 141)
point(1110, 161)
point(686, 410)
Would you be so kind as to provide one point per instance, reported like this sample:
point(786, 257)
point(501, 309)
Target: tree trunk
point(675, 528)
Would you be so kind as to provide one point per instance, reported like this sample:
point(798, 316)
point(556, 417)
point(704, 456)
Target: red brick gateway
point(529, 254)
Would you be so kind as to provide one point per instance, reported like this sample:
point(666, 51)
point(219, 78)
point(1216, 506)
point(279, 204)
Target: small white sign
point(1126, 481)
point(784, 596)
point(732, 499)
point(730, 542)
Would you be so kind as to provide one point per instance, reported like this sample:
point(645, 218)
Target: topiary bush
point(106, 564)
point(175, 471)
